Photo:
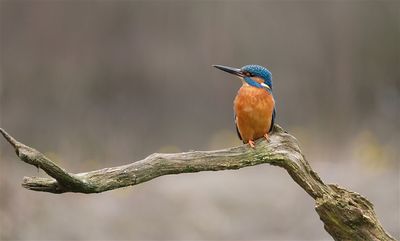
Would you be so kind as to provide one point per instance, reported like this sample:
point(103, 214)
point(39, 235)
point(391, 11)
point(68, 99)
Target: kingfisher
point(254, 104)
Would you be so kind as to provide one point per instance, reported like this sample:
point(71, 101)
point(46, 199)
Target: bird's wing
point(237, 129)
point(272, 120)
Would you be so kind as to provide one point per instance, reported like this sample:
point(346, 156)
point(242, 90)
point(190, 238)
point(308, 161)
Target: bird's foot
point(252, 144)
point(267, 137)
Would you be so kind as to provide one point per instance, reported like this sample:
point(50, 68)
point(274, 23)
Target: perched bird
point(254, 104)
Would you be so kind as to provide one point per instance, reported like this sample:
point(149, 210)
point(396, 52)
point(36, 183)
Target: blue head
point(254, 75)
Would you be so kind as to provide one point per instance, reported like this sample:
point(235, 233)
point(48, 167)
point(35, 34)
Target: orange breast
point(253, 108)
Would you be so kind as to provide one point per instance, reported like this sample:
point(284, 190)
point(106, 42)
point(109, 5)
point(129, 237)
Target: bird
point(254, 104)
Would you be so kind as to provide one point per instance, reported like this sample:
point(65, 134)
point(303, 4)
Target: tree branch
point(346, 215)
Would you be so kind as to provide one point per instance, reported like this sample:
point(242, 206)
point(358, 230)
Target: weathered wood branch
point(346, 215)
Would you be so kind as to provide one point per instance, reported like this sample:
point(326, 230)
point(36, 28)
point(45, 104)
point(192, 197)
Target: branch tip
point(10, 139)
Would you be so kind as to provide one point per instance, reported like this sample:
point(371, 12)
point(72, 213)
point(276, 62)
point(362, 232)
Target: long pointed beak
point(230, 70)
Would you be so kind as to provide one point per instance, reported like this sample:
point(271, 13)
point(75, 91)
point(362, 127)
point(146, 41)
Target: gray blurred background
point(94, 84)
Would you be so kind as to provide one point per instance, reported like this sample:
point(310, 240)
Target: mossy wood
point(346, 215)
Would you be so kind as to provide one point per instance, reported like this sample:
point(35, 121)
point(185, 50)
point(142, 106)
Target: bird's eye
point(248, 74)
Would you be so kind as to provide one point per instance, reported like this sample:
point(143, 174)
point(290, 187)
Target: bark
point(346, 215)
